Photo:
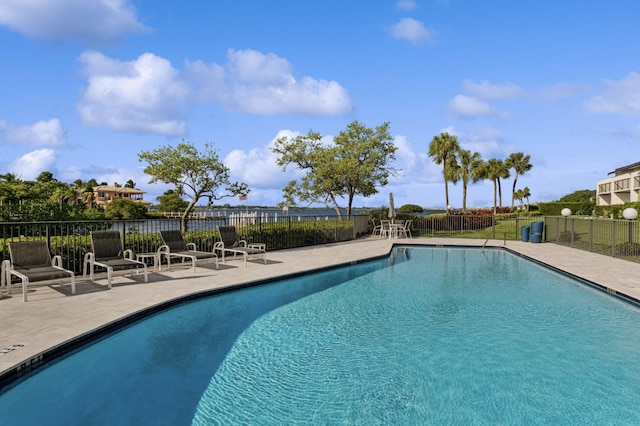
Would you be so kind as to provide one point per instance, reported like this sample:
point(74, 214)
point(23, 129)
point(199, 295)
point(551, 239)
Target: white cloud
point(488, 141)
point(86, 20)
point(406, 4)
point(140, 96)
point(406, 156)
point(492, 92)
point(30, 165)
point(147, 95)
point(41, 133)
point(264, 84)
point(619, 97)
point(257, 167)
point(470, 107)
point(412, 30)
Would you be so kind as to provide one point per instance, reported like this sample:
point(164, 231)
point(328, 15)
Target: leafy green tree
point(171, 201)
point(520, 164)
point(410, 208)
point(121, 208)
point(469, 170)
point(194, 173)
point(358, 161)
point(443, 149)
point(130, 184)
point(581, 196)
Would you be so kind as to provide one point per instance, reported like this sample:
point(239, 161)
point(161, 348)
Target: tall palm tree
point(520, 164)
point(503, 174)
point(493, 169)
point(443, 149)
point(526, 193)
point(469, 170)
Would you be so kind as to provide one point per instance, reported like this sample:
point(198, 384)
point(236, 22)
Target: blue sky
point(86, 85)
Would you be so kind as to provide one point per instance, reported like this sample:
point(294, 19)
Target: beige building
point(621, 187)
point(104, 194)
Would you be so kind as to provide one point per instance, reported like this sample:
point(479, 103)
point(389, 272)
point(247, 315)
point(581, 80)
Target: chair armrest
point(89, 259)
point(163, 249)
point(191, 246)
point(242, 243)
point(218, 245)
point(128, 254)
point(56, 261)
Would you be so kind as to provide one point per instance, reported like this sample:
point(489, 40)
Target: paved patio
point(53, 316)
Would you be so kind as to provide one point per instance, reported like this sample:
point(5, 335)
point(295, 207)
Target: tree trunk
point(464, 197)
point(349, 206)
point(184, 220)
point(446, 195)
point(513, 191)
point(495, 192)
point(336, 207)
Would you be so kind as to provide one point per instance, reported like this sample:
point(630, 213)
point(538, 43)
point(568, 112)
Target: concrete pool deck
point(53, 316)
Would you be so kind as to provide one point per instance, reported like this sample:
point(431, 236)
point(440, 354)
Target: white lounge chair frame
point(31, 262)
point(108, 253)
point(231, 243)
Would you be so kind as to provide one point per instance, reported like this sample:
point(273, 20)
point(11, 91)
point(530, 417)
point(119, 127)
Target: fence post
point(48, 234)
point(573, 221)
point(613, 238)
point(591, 235)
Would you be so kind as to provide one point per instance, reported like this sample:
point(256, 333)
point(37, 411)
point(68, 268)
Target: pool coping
point(341, 255)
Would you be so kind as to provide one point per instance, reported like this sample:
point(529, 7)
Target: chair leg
point(25, 285)
point(109, 271)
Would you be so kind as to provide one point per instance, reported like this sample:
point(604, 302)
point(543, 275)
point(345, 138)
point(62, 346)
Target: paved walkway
point(52, 316)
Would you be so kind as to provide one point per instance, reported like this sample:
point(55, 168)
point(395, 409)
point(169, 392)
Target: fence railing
point(471, 226)
point(71, 240)
point(611, 237)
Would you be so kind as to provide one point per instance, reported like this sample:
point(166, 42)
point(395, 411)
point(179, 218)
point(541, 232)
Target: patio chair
point(108, 253)
point(231, 243)
point(406, 230)
point(31, 261)
point(385, 228)
point(176, 247)
point(376, 228)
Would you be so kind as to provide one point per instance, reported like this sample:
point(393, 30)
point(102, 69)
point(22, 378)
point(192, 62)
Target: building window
point(604, 187)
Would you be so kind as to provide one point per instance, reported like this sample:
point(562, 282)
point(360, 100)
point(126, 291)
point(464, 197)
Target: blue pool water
point(442, 336)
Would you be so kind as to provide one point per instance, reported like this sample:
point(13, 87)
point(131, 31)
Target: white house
point(621, 187)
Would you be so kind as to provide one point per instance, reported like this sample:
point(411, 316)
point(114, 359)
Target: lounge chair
point(176, 247)
point(31, 261)
point(108, 253)
point(231, 243)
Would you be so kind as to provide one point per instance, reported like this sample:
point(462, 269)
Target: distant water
point(275, 211)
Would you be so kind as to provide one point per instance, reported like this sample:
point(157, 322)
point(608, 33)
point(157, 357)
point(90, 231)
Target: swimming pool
point(439, 335)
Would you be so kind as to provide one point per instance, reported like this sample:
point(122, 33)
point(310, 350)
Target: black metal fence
point(611, 237)
point(471, 226)
point(71, 240)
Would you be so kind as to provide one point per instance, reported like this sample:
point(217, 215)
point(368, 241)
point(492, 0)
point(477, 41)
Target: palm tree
point(526, 194)
point(503, 174)
point(493, 170)
point(520, 165)
point(442, 149)
point(469, 169)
